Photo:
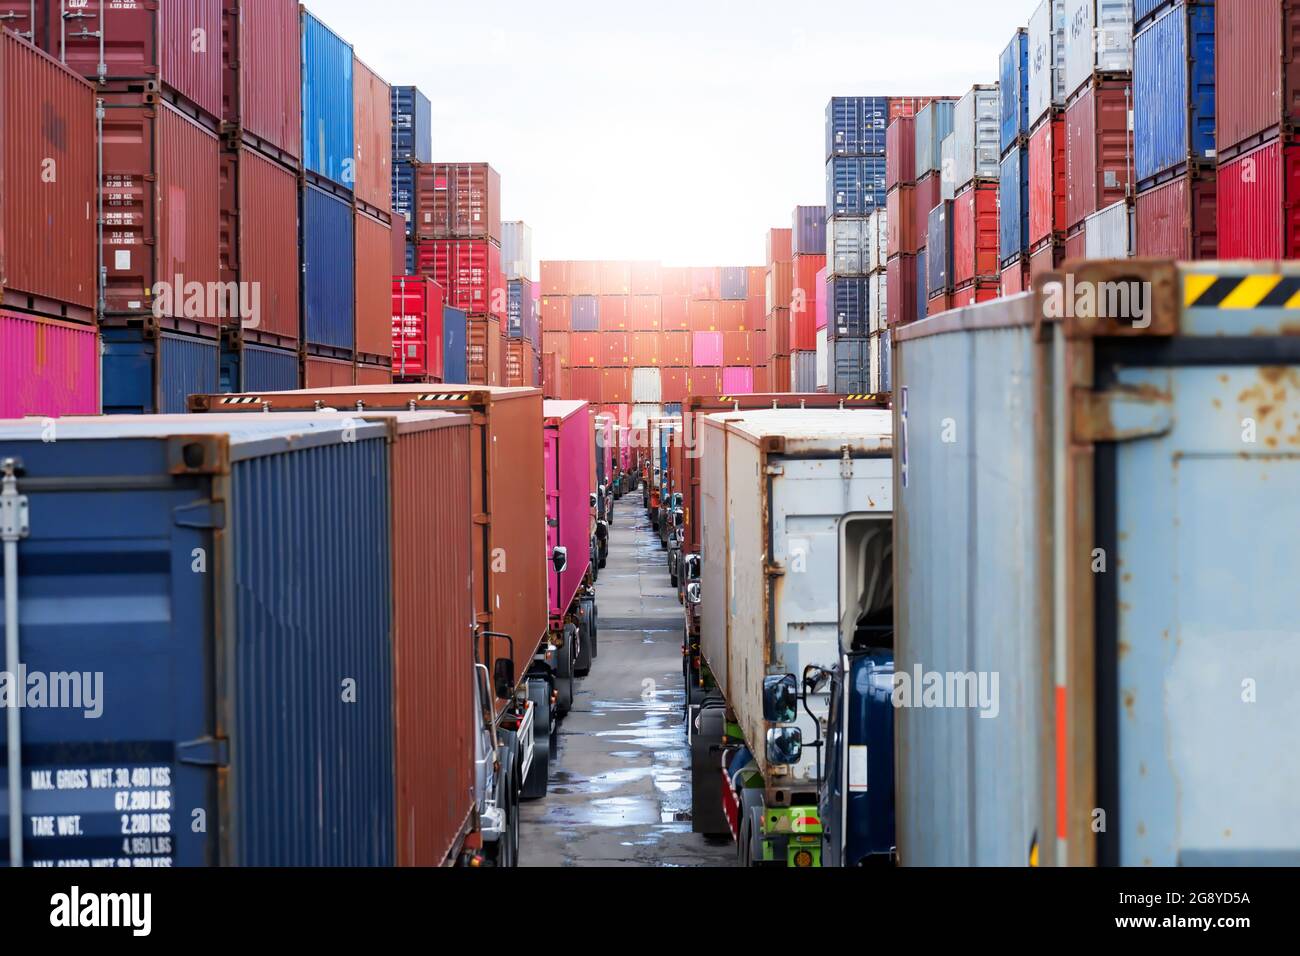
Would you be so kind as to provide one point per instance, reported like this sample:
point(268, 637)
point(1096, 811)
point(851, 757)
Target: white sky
point(664, 129)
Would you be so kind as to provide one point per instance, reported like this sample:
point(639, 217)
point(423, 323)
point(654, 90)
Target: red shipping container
point(938, 303)
point(551, 369)
point(738, 348)
point(458, 201)
point(756, 312)
point(706, 283)
point(47, 367)
point(615, 278)
point(804, 285)
point(1075, 247)
point(162, 203)
point(759, 348)
point(1015, 278)
point(1046, 258)
point(584, 278)
point(780, 245)
point(675, 349)
point(900, 220)
point(704, 382)
point(615, 313)
point(762, 380)
point(647, 278)
point(900, 290)
point(556, 313)
point(676, 281)
point(778, 374)
point(1098, 149)
point(646, 313)
point(47, 235)
point(555, 278)
point(703, 315)
point(368, 374)
point(645, 348)
point(417, 328)
point(372, 133)
point(1047, 180)
point(675, 384)
point(262, 64)
point(373, 287)
point(585, 384)
point(616, 349)
point(925, 196)
point(778, 332)
point(975, 233)
point(981, 290)
point(1259, 203)
point(780, 285)
point(483, 350)
point(397, 235)
point(803, 329)
point(468, 270)
point(1178, 219)
point(1257, 72)
point(755, 282)
point(616, 385)
point(900, 152)
point(326, 373)
point(729, 315)
point(586, 349)
point(675, 313)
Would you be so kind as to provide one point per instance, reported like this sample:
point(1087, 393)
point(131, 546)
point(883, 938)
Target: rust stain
point(1142, 828)
point(1216, 403)
point(1228, 833)
point(1223, 379)
point(1127, 578)
point(1130, 699)
point(1142, 768)
point(1124, 648)
point(1270, 441)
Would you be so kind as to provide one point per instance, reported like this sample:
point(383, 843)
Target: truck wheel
point(751, 826)
point(582, 663)
point(707, 815)
point(535, 784)
point(595, 629)
point(564, 673)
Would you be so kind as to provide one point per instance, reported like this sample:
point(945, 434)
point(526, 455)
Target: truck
point(1102, 473)
point(669, 438)
point(790, 744)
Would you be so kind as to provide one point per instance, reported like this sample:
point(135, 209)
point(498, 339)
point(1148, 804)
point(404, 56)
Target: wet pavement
point(620, 791)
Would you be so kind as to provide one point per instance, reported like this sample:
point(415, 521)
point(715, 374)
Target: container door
point(1198, 633)
point(119, 757)
point(551, 463)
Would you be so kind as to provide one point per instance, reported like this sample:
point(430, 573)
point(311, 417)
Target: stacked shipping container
point(1046, 155)
point(808, 231)
point(1013, 140)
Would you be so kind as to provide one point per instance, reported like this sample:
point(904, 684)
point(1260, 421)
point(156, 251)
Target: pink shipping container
point(975, 234)
point(372, 133)
point(1047, 180)
point(47, 235)
point(47, 368)
point(263, 75)
point(1259, 204)
point(1178, 219)
point(1257, 72)
point(706, 349)
point(568, 439)
point(900, 152)
point(463, 201)
point(738, 381)
point(820, 313)
point(417, 328)
point(1098, 149)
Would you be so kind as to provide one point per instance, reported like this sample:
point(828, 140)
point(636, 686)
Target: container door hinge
point(205, 515)
point(204, 752)
point(482, 519)
point(775, 471)
point(1121, 414)
point(774, 569)
point(846, 462)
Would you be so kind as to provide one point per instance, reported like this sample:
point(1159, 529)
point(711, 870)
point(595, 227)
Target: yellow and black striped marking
point(1258, 291)
point(443, 397)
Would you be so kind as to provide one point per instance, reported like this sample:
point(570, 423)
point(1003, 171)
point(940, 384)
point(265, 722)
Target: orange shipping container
point(555, 278)
point(778, 332)
point(759, 348)
point(675, 313)
point(616, 278)
point(761, 381)
point(373, 287)
point(706, 283)
point(372, 128)
point(780, 285)
point(675, 349)
point(674, 383)
point(483, 350)
point(647, 278)
point(778, 371)
point(557, 314)
point(584, 278)
point(586, 385)
point(616, 385)
point(730, 316)
point(374, 375)
point(614, 312)
point(645, 349)
point(559, 345)
point(756, 285)
point(675, 281)
point(780, 245)
point(646, 313)
point(585, 350)
point(705, 381)
point(703, 315)
point(737, 348)
point(327, 373)
point(616, 349)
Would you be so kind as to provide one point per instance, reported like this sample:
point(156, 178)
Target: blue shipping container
point(258, 368)
point(412, 125)
point(231, 675)
point(146, 375)
point(328, 277)
point(855, 186)
point(855, 125)
point(1172, 56)
point(586, 313)
point(809, 230)
point(1013, 82)
point(1143, 9)
point(921, 285)
point(850, 308)
point(938, 247)
point(735, 282)
point(1013, 206)
point(933, 124)
point(404, 194)
point(410, 259)
point(453, 346)
point(326, 102)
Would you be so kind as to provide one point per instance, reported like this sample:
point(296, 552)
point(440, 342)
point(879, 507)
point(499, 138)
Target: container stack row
point(808, 246)
point(523, 327)
point(412, 117)
point(1013, 175)
point(778, 285)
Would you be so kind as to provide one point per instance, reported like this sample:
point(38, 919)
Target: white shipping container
point(803, 369)
point(647, 386)
point(1046, 59)
point(975, 126)
point(846, 240)
point(517, 250)
point(1098, 39)
point(761, 509)
point(948, 161)
point(823, 359)
point(881, 258)
point(643, 413)
point(878, 312)
point(1108, 233)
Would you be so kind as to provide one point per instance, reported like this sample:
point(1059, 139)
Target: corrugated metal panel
point(921, 279)
point(412, 118)
point(823, 359)
point(900, 152)
point(939, 250)
point(884, 238)
point(1107, 233)
point(463, 201)
point(1258, 215)
point(933, 124)
point(262, 197)
point(267, 370)
point(706, 349)
point(849, 301)
point(47, 368)
point(647, 386)
point(517, 250)
point(586, 313)
point(327, 373)
point(614, 313)
point(374, 290)
point(568, 460)
point(268, 98)
point(615, 385)
point(1046, 58)
point(327, 98)
point(803, 371)
point(854, 185)
point(1098, 150)
point(372, 133)
point(1098, 39)
point(852, 368)
point(849, 252)
point(404, 194)
point(735, 280)
point(1047, 180)
point(975, 131)
point(975, 234)
point(144, 376)
point(615, 349)
point(1013, 90)
point(329, 286)
point(878, 310)
point(901, 288)
point(948, 160)
point(808, 235)
point(855, 125)
point(1173, 90)
point(1013, 202)
point(454, 331)
point(47, 236)
point(615, 277)
point(927, 195)
point(1178, 220)
point(1257, 71)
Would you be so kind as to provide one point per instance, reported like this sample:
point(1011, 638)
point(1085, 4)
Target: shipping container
point(803, 371)
point(404, 195)
point(327, 103)
point(938, 303)
point(1098, 40)
point(142, 374)
point(246, 367)
point(483, 349)
point(823, 361)
point(922, 277)
point(821, 310)
point(1108, 233)
point(327, 373)
point(1076, 243)
point(373, 284)
point(939, 250)
point(1257, 74)
point(584, 278)
point(808, 235)
point(616, 385)
point(1047, 28)
point(849, 252)
point(900, 152)
point(855, 185)
point(615, 349)
point(517, 250)
point(974, 291)
point(397, 241)
point(1013, 91)
point(1015, 277)
point(933, 125)
point(926, 196)
point(738, 348)
point(522, 365)
point(948, 159)
point(733, 283)
point(780, 285)
point(706, 349)
point(848, 301)
point(521, 311)
point(675, 349)
point(778, 332)
point(900, 225)
point(1013, 205)
point(878, 298)
point(458, 201)
point(738, 380)
point(778, 374)
point(568, 461)
point(556, 312)
point(852, 366)
point(673, 384)
point(900, 289)
point(47, 235)
point(370, 374)
point(1098, 149)
point(780, 246)
point(647, 279)
point(262, 76)
point(586, 313)
point(417, 328)
point(1173, 92)
point(615, 278)
point(262, 699)
point(1046, 257)
point(614, 313)
point(584, 384)
point(328, 276)
point(708, 381)
point(412, 118)
point(855, 125)
point(1177, 220)
point(975, 132)
point(703, 315)
point(646, 313)
point(1047, 215)
point(647, 386)
point(676, 313)
point(879, 244)
point(455, 328)
point(48, 368)
point(372, 131)
point(554, 278)
point(1259, 203)
point(469, 270)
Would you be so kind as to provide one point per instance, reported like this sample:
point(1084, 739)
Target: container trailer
point(1140, 466)
point(795, 598)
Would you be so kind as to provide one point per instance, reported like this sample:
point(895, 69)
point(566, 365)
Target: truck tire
point(535, 785)
point(751, 825)
point(564, 673)
point(707, 815)
point(582, 665)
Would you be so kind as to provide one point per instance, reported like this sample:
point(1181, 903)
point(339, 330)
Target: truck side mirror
point(784, 745)
point(780, 700)
point(692, 567)
point(593, 499)
point(560, 559)
point(503, 677)
point(693, 593)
